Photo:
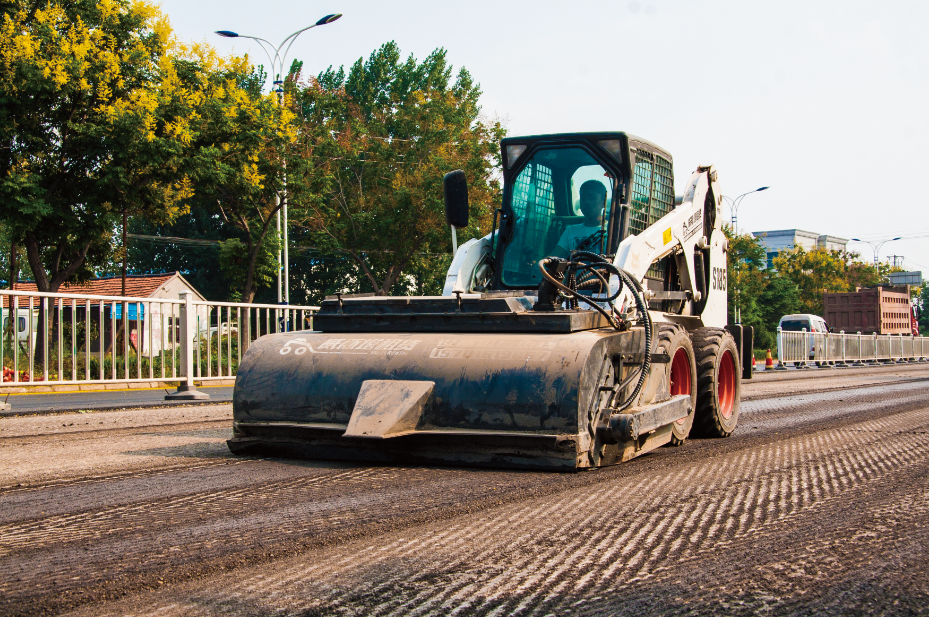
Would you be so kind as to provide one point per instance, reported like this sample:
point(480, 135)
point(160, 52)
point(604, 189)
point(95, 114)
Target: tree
point(760, 295)
point(780, 297)
point(865, 274)
point(242, 154)
point(92, 118)
point(382, 137)
point(923, 310)
point(91, 112)
point(815, 272)
point(746, 275)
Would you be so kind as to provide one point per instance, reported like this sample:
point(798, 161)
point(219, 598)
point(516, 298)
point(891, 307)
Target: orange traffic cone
point(768, 360)
point(754, 366)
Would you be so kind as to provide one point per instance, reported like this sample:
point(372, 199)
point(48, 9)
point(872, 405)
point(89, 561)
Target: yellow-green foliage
point(105, 112)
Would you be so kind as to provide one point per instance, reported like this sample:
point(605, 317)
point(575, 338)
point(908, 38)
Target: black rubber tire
point(671, 340)
point(717, 405)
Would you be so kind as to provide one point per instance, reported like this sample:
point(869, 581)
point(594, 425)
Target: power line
point(174, 240)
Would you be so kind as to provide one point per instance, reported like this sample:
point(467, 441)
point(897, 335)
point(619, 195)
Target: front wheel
point(719, 382)
point(681, 374)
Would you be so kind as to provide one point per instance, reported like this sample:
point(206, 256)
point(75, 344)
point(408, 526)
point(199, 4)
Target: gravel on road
point(818, 504)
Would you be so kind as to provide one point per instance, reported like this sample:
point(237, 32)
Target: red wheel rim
point(680, 375)
point(725, 384)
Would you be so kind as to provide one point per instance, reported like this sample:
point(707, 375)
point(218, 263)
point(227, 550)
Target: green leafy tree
point(818, 271)
point(923, 310)
point(760, 295)
point(780, 297)
point(235, 261)
point(746, 276)
point(245, 167)
point(865, 274)
point(91, 109)
point(814, 272)
point(382, 136)
point(93, 112)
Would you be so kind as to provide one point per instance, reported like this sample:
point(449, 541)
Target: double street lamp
point(278, 60)
point(876, 246)
point(734, 206)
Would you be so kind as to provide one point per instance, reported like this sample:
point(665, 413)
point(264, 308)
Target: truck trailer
point(883, 309)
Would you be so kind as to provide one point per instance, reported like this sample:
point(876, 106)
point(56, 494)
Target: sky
point(823, 101)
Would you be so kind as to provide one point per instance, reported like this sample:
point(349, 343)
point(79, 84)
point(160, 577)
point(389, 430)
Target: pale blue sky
point(823, 101)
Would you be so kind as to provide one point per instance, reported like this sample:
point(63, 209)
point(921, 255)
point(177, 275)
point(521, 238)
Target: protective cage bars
point(53, 339)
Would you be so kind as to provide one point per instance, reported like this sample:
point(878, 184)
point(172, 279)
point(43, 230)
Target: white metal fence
point(821, 347)
point(51, 339)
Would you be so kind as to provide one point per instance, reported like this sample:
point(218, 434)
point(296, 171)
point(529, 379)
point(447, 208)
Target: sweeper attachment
point(586, 329)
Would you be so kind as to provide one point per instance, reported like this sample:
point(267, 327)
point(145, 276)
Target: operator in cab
point(593, 204)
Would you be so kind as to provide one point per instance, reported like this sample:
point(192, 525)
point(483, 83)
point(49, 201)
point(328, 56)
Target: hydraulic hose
point(647, 360)
point(638, 296)
point(559, 285)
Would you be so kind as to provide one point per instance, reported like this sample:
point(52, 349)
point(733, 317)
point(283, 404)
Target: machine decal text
point(373, 346)
point(693, 224)
point(490, 354)
point(719, 279)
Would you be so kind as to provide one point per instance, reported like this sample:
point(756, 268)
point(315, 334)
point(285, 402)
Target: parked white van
point(22, 333)
point(813, 324)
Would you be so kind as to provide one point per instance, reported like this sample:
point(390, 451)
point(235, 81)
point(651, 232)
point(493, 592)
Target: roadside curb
point(128, 407)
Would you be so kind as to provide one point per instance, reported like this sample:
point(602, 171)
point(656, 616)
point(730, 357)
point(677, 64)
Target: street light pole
point(277, 72)
point(734, 206)
point(876, 246)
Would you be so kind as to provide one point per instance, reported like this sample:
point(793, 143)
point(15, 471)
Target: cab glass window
point(560, 202)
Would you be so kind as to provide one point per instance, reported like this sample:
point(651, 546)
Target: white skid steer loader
point(587, 328)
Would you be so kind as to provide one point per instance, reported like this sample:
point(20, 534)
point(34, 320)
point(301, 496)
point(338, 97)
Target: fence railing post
point(187, 391)
point(4, 406)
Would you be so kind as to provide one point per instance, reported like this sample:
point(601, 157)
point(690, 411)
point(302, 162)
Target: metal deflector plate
point(388, 408)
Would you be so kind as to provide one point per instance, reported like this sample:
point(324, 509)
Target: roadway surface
point(818, 505)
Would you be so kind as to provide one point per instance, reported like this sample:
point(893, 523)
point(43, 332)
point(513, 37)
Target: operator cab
point(584, 191)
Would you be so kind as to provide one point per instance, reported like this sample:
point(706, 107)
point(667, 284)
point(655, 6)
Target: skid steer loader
point(587, 328)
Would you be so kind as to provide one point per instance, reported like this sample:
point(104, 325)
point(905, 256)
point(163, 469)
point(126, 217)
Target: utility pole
point(876, 246)
point(277, 72)
point(734, 206)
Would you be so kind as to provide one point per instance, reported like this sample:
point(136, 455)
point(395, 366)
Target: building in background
point(160, 333)
point(786, 239)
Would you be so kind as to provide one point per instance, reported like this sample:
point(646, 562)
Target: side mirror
point(456, 198)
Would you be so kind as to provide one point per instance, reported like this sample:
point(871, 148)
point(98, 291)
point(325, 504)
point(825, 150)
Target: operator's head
point(593, 199)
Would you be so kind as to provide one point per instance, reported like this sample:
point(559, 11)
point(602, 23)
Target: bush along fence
point(804, 349)
point(50, 339)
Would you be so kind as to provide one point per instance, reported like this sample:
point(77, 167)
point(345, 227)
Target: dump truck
point(587, 328)
point(882, 309)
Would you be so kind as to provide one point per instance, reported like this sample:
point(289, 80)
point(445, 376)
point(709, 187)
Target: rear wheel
point(719, 382)
point(681, 374)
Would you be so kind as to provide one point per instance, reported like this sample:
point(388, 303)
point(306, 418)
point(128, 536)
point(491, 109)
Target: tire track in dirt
point(539, 556)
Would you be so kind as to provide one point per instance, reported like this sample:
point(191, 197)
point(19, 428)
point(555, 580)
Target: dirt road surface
point(818, 505)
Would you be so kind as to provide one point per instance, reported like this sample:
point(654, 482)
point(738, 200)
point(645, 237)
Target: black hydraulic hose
point(590, 256)
point(548, 277)
point(637, 293)
point(647, 360)
point(606, 285)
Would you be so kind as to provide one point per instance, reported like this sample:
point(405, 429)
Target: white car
point(804, 322)
point(22, 333)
